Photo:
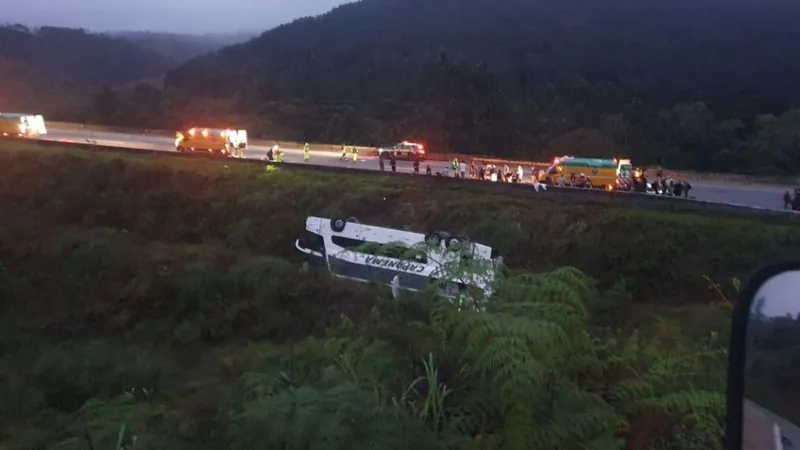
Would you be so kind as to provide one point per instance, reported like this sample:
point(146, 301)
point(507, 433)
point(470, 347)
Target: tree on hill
point(51, 62)
point(677, 83)
point(674, 83)
point(81, 57)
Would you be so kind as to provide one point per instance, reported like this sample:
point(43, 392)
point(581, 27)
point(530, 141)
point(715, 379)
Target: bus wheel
point(338, 225)
point(434, 239)
point(453, 243)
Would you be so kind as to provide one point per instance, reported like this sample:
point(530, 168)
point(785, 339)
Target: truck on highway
point(404, 150)
point(606, 174)
point(21, 125)
point(227, 142)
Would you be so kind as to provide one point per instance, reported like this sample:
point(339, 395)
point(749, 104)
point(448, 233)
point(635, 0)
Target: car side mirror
point(763, 410)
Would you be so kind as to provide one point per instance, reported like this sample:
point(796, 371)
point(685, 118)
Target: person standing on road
point(381, 162)
point(677, 189)
point(393, 163)
point(428, 170)
point(787, 200)
point(344, 153)
point(306, 152)
point(463, 169)
point(416, 167)
point(796, 201)
point(355, 155)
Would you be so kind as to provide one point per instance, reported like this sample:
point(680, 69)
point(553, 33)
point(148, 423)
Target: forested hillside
point(690, 84)
point(708, 85)
point(45, 69)
point(183, 47)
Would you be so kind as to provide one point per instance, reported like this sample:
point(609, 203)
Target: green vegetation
point(55, 71)
point(697, 85)
point(52, 69)
point(162, 298)
point(700, 85)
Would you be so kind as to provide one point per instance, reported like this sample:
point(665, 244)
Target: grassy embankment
point(165, 294)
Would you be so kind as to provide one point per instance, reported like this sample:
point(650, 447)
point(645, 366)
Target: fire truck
point(227, 142)
point(21, 125)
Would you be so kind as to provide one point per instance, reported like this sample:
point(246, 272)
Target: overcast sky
point(782, 295)
point(184, 16)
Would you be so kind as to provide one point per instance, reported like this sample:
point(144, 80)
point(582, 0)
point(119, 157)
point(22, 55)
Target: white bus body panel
point(412, 275)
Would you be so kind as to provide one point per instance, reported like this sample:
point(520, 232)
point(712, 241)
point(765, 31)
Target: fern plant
point(522, 363)
point(328, 395)
point(673, 398)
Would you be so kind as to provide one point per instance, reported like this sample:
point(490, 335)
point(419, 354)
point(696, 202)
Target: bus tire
point(434, 239)
point(453, 243)
point(338, 225)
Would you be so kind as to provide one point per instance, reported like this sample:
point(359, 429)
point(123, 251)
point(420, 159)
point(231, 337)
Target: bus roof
point(15, 115)
point(590, 162)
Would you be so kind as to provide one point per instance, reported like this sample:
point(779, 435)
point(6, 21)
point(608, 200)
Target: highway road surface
point(790, 433)
point(769, 197)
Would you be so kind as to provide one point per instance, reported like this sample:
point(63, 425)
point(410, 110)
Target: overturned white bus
point(21, 125)
point(401, 259)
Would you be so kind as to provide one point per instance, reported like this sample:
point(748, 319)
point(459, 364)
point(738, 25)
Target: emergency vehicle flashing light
point(421, 148)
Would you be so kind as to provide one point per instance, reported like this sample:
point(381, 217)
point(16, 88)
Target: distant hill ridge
point(78, 56)
point(183, 47)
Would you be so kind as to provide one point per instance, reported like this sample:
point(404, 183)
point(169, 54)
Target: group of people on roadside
point(661, 185)
point(478, 170)
point(792, 201)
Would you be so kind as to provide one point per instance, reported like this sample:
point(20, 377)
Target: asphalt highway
point(768, 197)
point(789, 432)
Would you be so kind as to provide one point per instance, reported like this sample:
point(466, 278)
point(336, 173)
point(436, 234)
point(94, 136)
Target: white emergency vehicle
point(21, 125)
point(352, 250)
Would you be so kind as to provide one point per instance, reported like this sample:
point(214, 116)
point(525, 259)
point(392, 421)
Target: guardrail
point(363, 151)
point(569, 194)
point(372, 151)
